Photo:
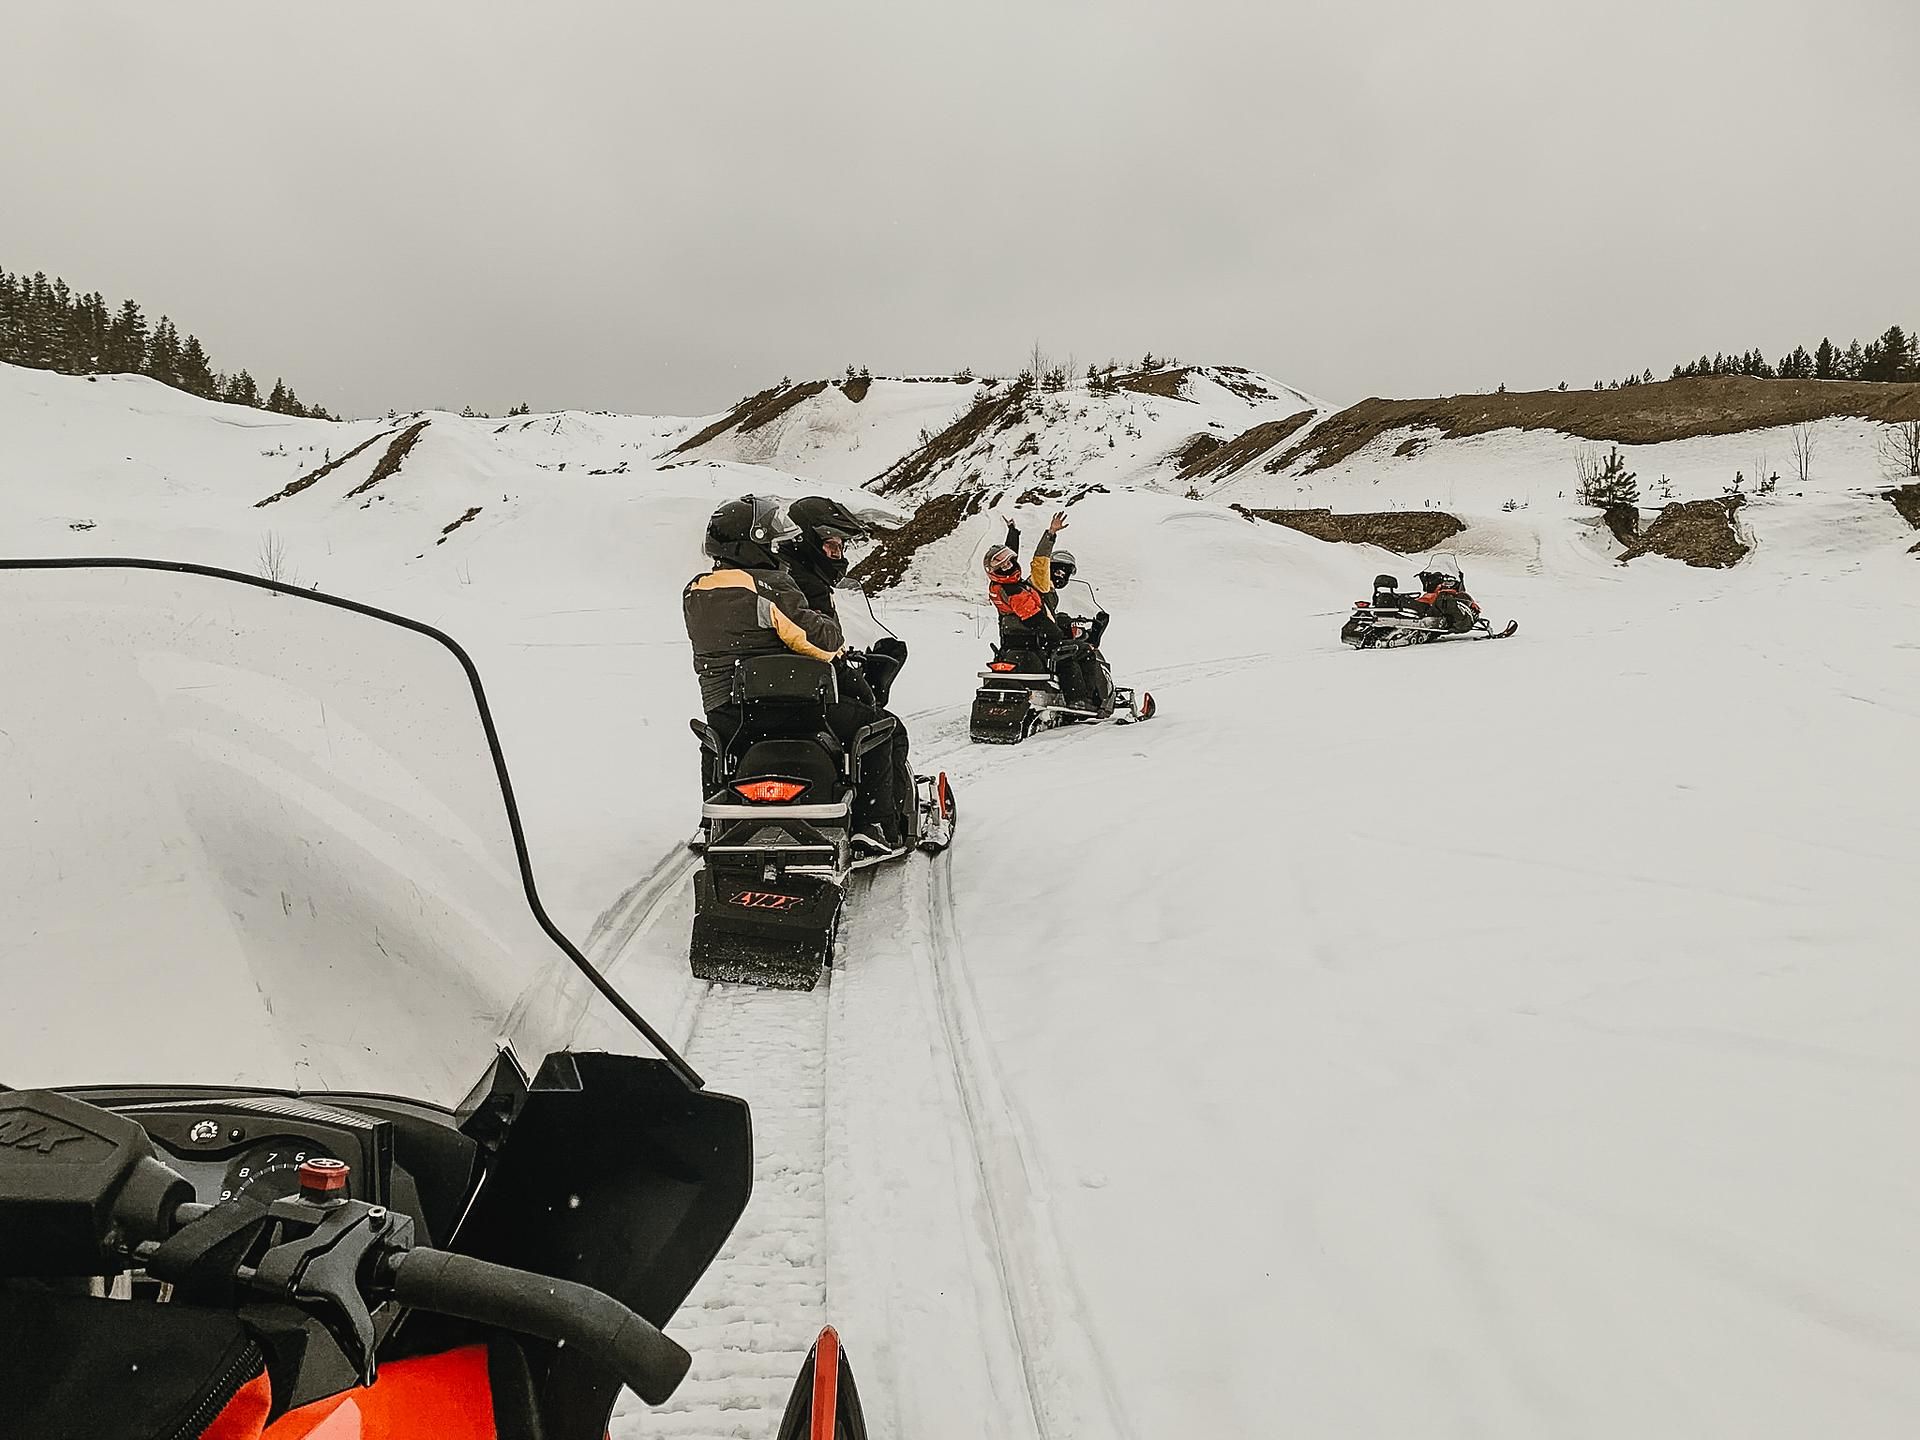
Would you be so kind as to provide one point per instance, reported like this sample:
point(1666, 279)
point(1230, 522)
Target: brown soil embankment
point(1405, 532)
point(1635, 415)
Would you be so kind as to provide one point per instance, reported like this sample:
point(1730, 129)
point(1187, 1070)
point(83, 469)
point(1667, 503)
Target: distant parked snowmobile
point(1441, 610)
point(1020, 690)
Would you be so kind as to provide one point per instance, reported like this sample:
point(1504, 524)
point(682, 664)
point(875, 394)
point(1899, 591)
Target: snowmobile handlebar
point(596, 1325)
point(115, 1201)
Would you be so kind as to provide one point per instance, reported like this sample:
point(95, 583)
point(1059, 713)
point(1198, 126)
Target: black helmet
point(822, 519)
point(1063, 567)
point(743, 532)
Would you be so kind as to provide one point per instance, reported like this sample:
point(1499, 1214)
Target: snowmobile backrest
point(784, 678)
point(1385, 583)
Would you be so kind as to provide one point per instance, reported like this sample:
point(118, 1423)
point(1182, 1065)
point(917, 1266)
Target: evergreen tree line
point(1892, 357)
point(46, 325)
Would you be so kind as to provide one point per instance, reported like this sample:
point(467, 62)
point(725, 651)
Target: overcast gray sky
point(658, 207)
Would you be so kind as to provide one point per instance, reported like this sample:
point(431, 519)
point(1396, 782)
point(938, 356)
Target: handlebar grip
point(600, 1327)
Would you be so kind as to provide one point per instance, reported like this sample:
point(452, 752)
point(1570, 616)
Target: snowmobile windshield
point(858, 624)
point(258, 837)
point(1078, 600)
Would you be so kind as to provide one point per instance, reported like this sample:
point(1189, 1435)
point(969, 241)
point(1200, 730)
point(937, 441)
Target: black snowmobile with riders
point(312, 1122)
point(805, 775)
point(1047, 668)
point(1441, 610)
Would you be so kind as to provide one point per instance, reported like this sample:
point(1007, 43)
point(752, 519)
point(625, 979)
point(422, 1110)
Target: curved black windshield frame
point(600, 982)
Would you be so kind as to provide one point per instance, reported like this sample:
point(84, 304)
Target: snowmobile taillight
point(767, 792)
point(324, 1179)
point(1001, 665)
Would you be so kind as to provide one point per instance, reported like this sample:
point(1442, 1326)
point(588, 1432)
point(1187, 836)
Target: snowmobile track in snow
point(621, 922)
point(752, 1316)
point(1069, 1385)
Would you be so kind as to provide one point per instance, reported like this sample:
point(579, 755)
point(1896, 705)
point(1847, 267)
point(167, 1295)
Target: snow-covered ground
point(1503, 1039)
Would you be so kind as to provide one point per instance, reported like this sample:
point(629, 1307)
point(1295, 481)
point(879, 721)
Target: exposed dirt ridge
point(390, 462)
point(885, 566)
point(753, 412)
point(314, 476)
point(1636, 415)
point(1405, 532)
point(1239, 452)
point(996, 407)
point(447, 530)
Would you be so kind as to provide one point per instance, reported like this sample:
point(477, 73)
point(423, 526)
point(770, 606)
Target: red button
point(324, 1178)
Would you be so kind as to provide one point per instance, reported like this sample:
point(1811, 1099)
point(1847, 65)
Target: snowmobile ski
point(938, 814)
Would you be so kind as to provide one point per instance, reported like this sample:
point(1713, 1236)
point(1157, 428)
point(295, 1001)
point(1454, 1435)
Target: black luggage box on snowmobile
point(1003, 707)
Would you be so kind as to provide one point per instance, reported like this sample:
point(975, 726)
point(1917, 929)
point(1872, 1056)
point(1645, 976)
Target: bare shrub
point(1802, 436)
point(1900, 450)
point(272, 561)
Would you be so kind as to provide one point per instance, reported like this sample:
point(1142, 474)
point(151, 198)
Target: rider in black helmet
point(747, 605)
point(817, 559)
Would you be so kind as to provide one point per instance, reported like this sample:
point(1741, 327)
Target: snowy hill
point(919, 438)
point(1502, 1040)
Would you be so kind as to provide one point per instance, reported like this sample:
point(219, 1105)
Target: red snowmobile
point(322, 1127)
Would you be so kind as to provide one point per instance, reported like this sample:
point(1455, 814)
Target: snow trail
point(1070, 1386)
point(752, 1317)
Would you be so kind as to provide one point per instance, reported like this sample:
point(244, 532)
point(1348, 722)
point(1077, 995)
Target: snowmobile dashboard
point(231, 1144)
point(88, 1191)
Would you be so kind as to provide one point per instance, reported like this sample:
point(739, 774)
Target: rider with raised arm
point(747, 606)
point(1060, 574)
point(1027, 605)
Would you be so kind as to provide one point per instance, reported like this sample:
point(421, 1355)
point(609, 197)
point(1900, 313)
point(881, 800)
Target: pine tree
point(1853, 362)
point(95, 322)
point(1825, 360)
point(40, 342)
point(242, 391)
point(277, 401)
point(1896, 354)
point(196, 372)
point(126, 350)
point(163, 354)
point(9, 309)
